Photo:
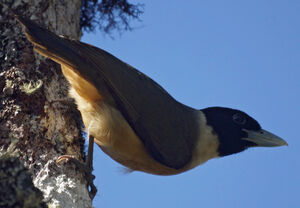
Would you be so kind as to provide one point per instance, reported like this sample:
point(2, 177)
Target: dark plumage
point(228, 125)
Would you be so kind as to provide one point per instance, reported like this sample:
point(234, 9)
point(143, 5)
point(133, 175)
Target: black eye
point(239, 119)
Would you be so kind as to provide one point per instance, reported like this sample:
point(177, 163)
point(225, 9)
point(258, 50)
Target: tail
point(59, 49)
point(88, 62)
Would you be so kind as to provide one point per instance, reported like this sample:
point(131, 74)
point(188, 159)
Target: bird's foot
point(86, 169)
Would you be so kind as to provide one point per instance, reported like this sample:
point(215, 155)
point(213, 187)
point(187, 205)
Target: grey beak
point(264, 138)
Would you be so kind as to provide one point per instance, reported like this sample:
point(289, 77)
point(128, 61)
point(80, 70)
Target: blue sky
point(238, 54)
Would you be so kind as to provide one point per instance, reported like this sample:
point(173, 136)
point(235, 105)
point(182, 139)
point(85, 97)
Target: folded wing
point(165, 126)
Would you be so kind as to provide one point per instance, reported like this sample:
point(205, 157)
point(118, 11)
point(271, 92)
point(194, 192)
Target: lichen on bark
point(34, 114)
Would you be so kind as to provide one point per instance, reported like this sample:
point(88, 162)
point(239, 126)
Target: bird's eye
point(239, 119)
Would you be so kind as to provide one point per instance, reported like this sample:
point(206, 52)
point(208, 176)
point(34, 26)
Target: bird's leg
point(87, 167)
point(89, 164)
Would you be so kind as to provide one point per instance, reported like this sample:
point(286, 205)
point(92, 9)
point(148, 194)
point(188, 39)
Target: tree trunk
point(37, 122)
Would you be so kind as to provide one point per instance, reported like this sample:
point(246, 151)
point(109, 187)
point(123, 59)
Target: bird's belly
point(116, 138)
point(138, 160)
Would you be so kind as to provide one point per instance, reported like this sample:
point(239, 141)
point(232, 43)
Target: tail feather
point(49, 44)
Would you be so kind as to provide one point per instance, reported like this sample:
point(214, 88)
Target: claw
point(70, 158)
point(63, 157)
point(86, 167)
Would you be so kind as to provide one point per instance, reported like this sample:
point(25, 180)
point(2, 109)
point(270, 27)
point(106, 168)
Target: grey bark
point(37, 122)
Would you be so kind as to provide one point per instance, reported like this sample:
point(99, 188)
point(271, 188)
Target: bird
point(138, 123)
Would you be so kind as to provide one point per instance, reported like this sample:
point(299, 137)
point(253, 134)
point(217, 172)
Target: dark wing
point(166, 127)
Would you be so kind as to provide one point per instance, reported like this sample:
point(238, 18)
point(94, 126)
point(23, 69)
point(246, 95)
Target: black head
point(237, 131)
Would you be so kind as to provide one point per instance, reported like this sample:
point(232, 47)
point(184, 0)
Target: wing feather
point(165, 126)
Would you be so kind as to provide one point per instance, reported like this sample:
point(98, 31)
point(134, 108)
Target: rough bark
point(37, 122)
